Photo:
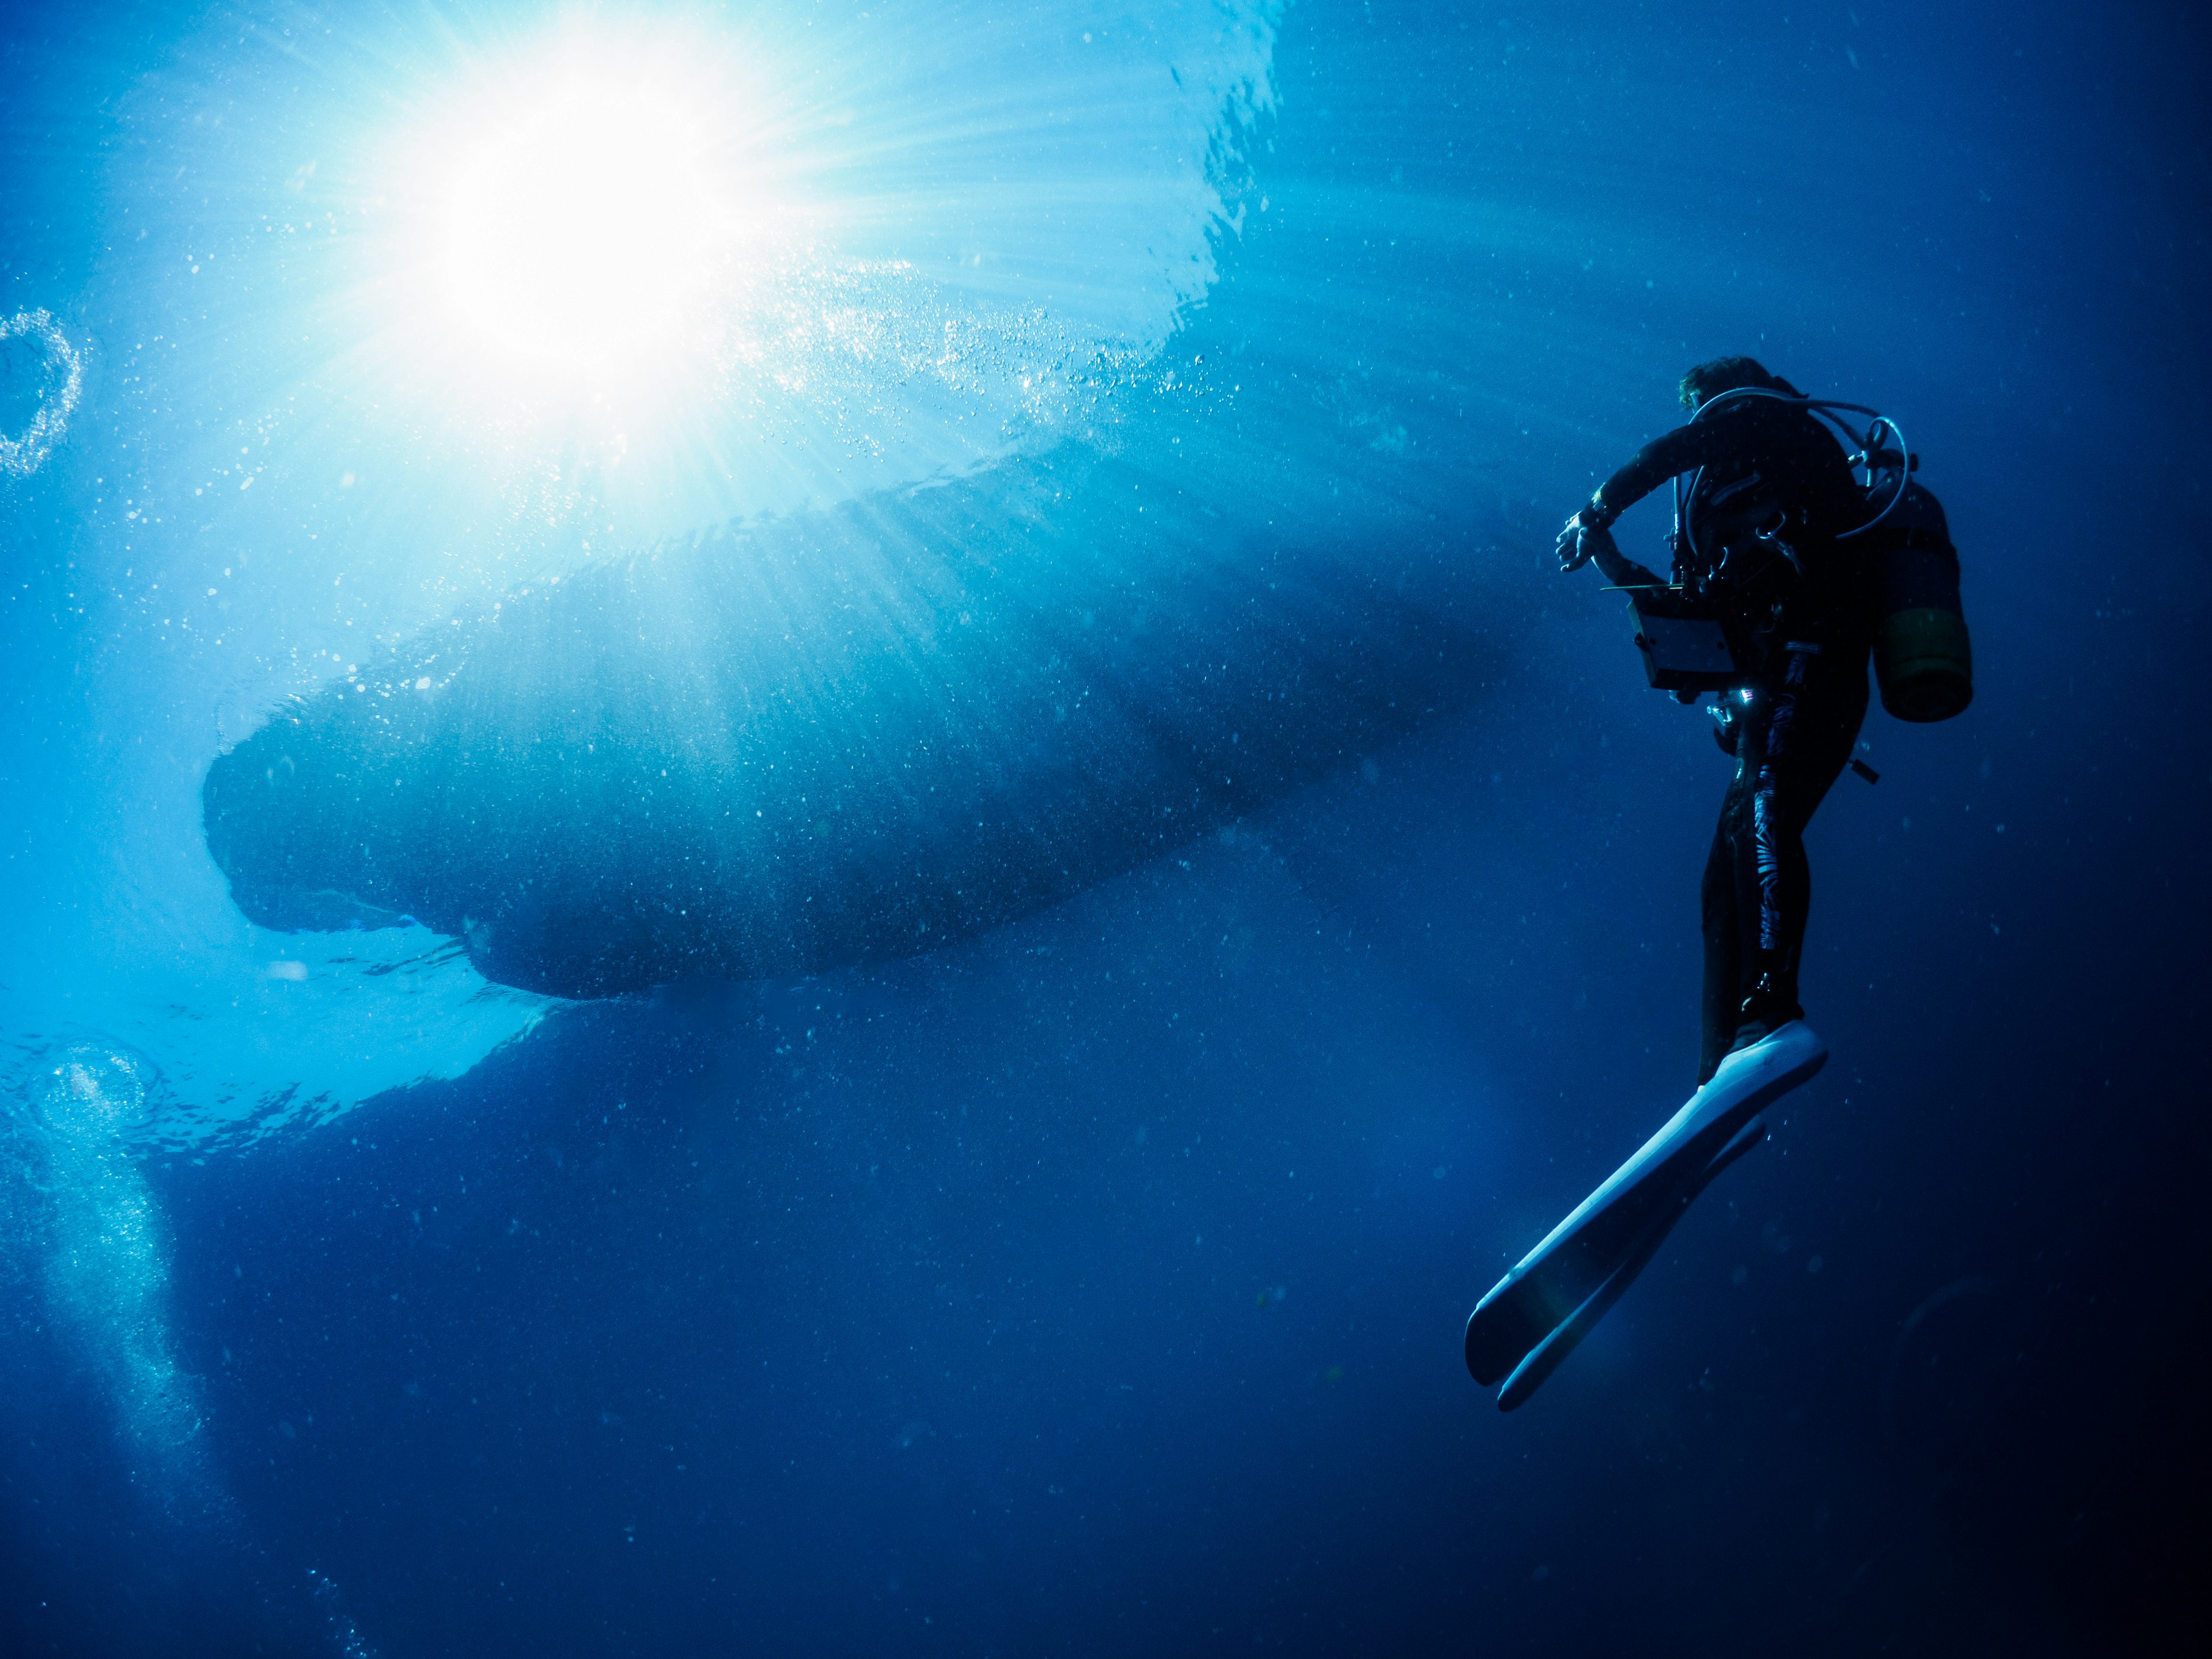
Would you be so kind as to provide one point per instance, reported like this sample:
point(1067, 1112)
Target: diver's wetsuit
point(1803, 636)
point(1792, 740)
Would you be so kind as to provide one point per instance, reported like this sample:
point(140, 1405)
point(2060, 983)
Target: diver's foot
point(1765, 1011)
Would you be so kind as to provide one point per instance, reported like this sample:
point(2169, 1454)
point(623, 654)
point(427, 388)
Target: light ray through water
point(354, 471)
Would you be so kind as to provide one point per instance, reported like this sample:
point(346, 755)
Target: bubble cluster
point(55, 371)
point(878, 356)
point(82, 1219)
point(346, 1640)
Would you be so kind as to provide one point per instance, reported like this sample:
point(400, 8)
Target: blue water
point(1094, 1285)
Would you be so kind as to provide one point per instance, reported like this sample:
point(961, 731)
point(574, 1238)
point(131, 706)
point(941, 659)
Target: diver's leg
point(1771, 859)
point(1812, 719)
point(1746, 816)
point(1730, 897)
point(1829, 708)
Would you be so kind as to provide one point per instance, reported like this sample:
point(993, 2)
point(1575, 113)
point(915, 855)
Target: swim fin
point(1551, 1353)
point(1575, 1274)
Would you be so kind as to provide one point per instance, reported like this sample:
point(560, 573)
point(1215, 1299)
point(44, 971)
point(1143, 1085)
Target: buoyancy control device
point(1923, 660)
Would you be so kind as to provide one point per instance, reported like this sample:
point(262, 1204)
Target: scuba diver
point(1759, 551)
point(1789, 569)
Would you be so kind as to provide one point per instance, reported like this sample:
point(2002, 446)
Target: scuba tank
point(1923, 658)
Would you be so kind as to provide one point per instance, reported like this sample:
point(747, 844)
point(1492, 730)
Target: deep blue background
point(1096, 1288)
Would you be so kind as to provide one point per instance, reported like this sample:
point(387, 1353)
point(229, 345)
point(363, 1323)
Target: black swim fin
point(1552, 1352)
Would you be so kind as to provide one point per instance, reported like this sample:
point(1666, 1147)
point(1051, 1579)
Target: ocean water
point(872, 395)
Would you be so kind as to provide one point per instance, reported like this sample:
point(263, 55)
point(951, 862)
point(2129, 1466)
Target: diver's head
point(1708, 380)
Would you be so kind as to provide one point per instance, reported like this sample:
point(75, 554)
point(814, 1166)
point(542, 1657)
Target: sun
point(571, 216)
point(583, 224)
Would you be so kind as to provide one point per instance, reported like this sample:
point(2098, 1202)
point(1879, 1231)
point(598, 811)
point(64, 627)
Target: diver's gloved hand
point(1584, 537)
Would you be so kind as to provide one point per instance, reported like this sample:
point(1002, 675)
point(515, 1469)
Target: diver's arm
point(1620, 569)
point(1698, 444)
point(1582, 541)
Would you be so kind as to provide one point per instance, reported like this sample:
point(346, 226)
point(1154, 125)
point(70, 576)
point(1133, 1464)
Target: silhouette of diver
point(1757, 549)
point(1789, 572)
